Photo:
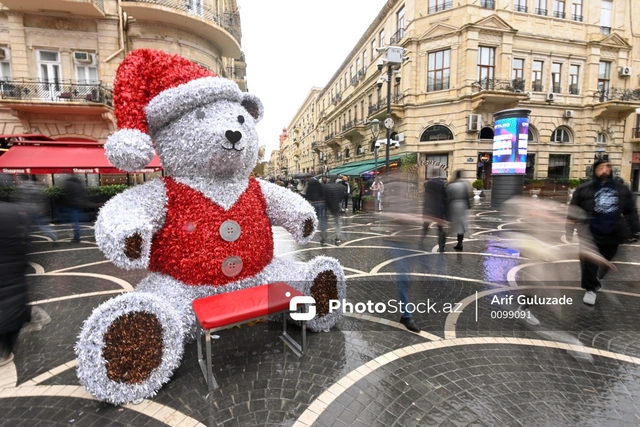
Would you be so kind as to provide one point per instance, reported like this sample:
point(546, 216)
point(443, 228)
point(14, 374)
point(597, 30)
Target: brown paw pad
point(325, 288)
point(307, 228)
point(133, 246)
point(133, 347)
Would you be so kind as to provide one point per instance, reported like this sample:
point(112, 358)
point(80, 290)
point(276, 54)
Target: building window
point(439, 5)
point(381, 38)
point(364, 59)
point(556, 77)
point(541, 7)
point(517, 73)
point(605, 16)
point(438, 74)
point(5, 65)
point(357, 67)
point(486, 133)
point(399, 25)
point(87, 71)
point(351, 73)
point(576, 10)
point(561, 135)
point(488, 4)
point(436, 133)
point(49, 66)
point(520, 5)
point(536, 76)
point(636, 130)
point(559, 166)
point(574, 73)
point(604, 72)
point(558, 9)
point(486, 66)
point(373, 49)
point(531, 166)
point(601, 138)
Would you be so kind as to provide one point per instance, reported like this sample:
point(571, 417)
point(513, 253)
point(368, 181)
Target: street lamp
point(599, 153)
point(375, 132)
point(393, 59)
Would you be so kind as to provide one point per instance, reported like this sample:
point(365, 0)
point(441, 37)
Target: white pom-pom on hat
point(129, 149)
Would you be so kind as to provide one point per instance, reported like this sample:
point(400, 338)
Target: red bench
point(229, 309)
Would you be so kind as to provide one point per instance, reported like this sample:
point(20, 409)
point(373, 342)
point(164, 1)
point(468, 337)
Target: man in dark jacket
point(603, 205)
point(13, 286)
point(74, 201)
point(334, 196)
point(433, 210)
point(315, 196)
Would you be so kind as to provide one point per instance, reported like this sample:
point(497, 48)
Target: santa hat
point(151, 89)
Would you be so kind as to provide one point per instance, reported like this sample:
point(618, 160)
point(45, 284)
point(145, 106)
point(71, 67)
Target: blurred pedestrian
point(458, 199)
point(357, 190)
point(73, 203)
point(315, 196)
point(14, 311)
point(347, 192)
point(32, 203)
point(378, 188)
point(433, 209)
point(604, 205)
point(334, 197)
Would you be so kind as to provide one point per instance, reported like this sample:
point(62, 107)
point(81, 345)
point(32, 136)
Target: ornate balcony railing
point(537, 87)
point(520, 8)
point(556, 89)
point(439, 7)
point(382, 103)
point(577, 18)
point(541, 12)
point(558, 14)
point(237, 72)
point(328, 136)
point(614, 94)
point(635, 133)
point(230, 21)
point(397, 36)
point(488, 4)
point(573, 90)
point(61, 91)
point(510, 85)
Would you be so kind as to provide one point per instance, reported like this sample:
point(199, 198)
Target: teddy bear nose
point(233, 136)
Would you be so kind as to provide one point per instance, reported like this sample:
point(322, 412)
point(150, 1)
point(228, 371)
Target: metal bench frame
point(203, 337)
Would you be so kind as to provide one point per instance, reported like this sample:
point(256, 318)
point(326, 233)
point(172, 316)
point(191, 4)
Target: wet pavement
point(473, 364)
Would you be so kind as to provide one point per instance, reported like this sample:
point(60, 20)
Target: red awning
point(46, 159)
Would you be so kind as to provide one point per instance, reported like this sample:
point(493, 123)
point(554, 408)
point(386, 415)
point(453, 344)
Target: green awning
point(362, 166)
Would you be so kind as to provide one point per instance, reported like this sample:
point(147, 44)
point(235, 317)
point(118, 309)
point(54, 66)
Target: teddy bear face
point(218, 139)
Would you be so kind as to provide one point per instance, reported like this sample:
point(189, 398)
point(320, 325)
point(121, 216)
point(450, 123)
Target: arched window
point(346, 153)
point(601, 138)
point(486, 133)
point(561, 135)
point(436, 133)
point(359, 150)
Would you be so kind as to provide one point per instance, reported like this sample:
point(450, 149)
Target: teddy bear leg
point(129, 347)
point(324, 281)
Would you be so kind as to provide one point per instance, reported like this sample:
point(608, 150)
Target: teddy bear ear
point(253, 105)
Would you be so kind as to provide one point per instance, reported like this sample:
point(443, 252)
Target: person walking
point(458, 198)
point(334, 197)
point(73, 202)
point(433, 209)
point(347, 192)
point(33, 205)
point(378, 188)
point(357, 190)
point(603, 205)
point(315, 196)
point(14, 311)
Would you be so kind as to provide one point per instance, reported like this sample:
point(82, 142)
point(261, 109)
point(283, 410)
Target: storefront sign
point(510, 145)
point(15, 171)
point(437, 164)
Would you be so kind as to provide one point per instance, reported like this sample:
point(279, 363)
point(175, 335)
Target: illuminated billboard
point(510, 145)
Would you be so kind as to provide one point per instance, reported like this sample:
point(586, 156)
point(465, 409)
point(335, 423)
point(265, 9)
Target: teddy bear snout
point(233, 136)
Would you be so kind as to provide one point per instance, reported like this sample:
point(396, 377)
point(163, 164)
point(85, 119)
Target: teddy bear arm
point(127, 223)
point(291, 211)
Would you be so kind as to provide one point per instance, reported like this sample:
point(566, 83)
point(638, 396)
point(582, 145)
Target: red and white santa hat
point(151, 89)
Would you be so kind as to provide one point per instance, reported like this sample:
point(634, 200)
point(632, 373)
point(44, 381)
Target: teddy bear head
point(201, 125)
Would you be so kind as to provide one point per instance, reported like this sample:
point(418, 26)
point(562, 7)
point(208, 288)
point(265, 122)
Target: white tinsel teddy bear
point(203, 229)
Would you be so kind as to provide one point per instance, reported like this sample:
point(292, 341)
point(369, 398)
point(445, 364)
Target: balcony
point(63, 97)
point(542, 12)
point(395, 39)
point(238, 73)
point(556, 89)
point(577, 18)
point(504, 93)
point(537, 87)
point(440, 6)
point(520, 8)
point(488, 4)
point(221, 28)
point(616, 103)
point(93, 8)
point(379, 109)
point(558, 14)
point(353, 128)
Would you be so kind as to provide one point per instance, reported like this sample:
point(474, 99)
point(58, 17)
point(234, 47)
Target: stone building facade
point(59, 57)
point(574, 64)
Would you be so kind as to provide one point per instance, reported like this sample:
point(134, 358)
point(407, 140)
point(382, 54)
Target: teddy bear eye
point(200, 114)
point(240, 119)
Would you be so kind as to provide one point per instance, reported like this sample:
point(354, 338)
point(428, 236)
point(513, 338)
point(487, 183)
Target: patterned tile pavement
point(469, 367)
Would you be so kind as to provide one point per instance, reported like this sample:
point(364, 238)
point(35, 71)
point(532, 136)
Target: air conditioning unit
point(568, 114)
point(474, 122)
point(551, 96)
point(624, 72)
point(83, 57)
point(365, 122)
point(2, 54)
point(399, 137)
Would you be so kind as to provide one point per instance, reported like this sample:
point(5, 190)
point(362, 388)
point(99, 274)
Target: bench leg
point(204, 358)
point(298, 350)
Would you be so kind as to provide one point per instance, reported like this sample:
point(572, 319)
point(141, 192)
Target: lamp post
point(599, 153)
point(393, 59)
point(375, 132)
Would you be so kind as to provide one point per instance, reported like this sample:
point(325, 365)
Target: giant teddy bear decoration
point(203, 229)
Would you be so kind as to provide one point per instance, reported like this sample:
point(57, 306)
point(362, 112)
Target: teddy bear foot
point(129, 347)
point(326, 281)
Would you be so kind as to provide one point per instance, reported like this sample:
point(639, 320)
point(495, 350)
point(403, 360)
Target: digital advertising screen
point(510, 145)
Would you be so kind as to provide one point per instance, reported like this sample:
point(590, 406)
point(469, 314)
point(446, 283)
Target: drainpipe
point(120, 34)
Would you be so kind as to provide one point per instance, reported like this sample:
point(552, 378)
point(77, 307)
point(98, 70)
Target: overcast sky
point(293, 45)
